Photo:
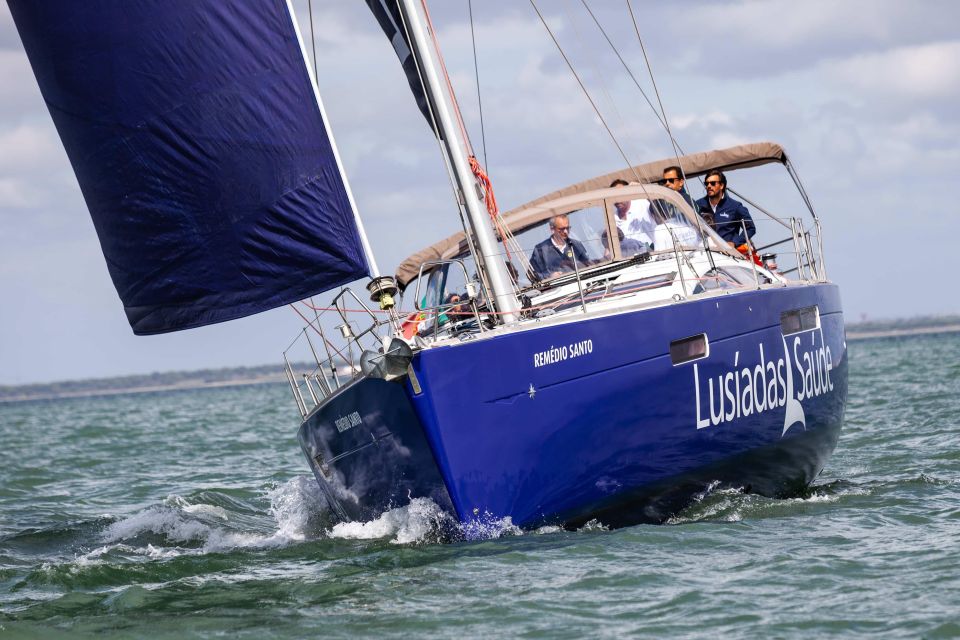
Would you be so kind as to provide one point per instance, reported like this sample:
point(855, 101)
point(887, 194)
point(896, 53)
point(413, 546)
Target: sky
point(862, 94)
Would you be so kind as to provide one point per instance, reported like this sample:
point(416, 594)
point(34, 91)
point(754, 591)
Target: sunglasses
point(670, 180)
point(712, 183)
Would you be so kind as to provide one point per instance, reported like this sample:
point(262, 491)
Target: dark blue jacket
point(545, 258)
point(668, 211)
point(686, 196)
point(730, 219)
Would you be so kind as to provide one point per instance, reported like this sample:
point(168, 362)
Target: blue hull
point(591, 419)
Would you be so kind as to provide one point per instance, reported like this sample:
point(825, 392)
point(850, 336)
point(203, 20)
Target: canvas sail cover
point(694, 165)
point(201, 150)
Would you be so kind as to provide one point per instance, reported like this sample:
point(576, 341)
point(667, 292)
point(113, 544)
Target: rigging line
point(476, 73)
point(487, 186)
point(471, 242)
point(584, 89)
point(666, 123)
point(625, 66)
point(316, 78)
point(446, 77)
point(459, 117)
point(597, 69)
point(315, 330)
point(656, 91)
point(313, 40)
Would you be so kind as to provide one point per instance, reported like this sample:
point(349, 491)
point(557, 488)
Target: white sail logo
point(765, 385)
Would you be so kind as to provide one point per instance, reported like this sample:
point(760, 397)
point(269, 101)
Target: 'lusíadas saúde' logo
point(761, 385)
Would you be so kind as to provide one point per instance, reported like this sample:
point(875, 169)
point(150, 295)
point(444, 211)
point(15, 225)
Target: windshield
point(562, 244)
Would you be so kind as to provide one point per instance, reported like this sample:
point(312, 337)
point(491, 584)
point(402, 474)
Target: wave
point(182, 525)
point(420, 521)
point(731, 504)
point(295, 512)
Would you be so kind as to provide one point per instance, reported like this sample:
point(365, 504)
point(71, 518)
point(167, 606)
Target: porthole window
point(687, 349)
point(799, 320)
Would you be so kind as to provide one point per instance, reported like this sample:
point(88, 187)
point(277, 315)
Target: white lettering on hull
point(348, 421)
point(765, 385)
point(553, 355)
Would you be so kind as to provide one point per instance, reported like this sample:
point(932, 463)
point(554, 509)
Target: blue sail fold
point(201, 151)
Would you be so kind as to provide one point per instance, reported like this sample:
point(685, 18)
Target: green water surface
point(192, 513)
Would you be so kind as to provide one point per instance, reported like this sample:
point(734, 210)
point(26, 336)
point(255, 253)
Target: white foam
point(159, 553)
point(548, 529)
point(421, 520)
point(592, 526)
point(487, 527)
point(293, 505)
point(817, 497)
point(208, 510)
point(161, 520)
point(181, 522)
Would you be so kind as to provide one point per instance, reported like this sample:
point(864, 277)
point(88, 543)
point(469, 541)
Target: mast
point(455, 148)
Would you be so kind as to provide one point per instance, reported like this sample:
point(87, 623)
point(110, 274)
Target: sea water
point(192, 513)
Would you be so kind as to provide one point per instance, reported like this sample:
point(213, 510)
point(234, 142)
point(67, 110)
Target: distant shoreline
point(273, 374)
point(896, 333)
point(119, 391)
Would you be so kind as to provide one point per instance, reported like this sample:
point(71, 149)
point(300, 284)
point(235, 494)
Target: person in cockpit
point(628, 246)
point(556, 254)
point(732, 221)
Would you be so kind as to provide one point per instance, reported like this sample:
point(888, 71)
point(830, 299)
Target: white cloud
point(750, 37)
point(35, 176)
point(859, 91)
point(27, 147)
point(8, 33)
point(930, 71)
point(683, 121)
point(20, 89)
point(18, 194)
point(787, 24)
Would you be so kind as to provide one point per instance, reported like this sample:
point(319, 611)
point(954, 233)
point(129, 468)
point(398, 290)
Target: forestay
point(201, 150)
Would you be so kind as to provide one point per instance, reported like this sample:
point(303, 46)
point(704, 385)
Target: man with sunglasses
point(673, 179)
point(556, 254)
point(731, 219)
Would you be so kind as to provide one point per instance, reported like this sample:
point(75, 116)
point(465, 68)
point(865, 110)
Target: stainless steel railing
point(337, 363)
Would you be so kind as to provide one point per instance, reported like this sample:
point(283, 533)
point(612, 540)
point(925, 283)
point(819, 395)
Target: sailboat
point(614, 388)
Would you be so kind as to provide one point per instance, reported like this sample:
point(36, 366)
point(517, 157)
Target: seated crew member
point(668, 229)
point(633, 218)
point(730, 217)
point(628, 246)
point(556, 254)
point(450, 314)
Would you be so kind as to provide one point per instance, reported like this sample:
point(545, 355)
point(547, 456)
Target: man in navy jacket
point(556, 254)
point(673, 179)
point(730, 217)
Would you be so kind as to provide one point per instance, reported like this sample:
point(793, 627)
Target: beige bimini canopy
point(694, 164)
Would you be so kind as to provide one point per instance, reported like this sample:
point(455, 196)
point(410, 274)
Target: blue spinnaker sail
point(201, 150)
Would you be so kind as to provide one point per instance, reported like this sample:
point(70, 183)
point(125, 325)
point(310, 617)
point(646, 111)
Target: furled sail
point(388, 16)
point(202, 152)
